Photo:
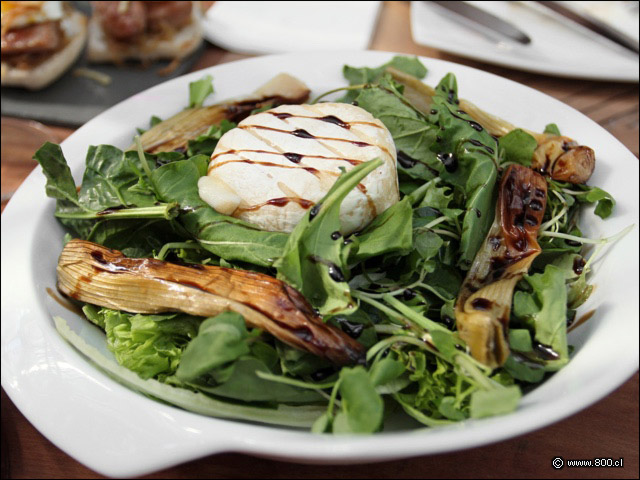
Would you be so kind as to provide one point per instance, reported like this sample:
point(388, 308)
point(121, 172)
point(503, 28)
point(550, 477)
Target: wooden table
point(607, 429)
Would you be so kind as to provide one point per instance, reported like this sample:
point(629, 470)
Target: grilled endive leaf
point(559, 157)
point(174, 133)
point(484, 303)
point(94, 274)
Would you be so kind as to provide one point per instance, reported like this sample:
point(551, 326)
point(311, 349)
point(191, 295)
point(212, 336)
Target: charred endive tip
point(564, 160)
point(91, 273)
point(484, 303)
point(174, 133)
point(559, 157)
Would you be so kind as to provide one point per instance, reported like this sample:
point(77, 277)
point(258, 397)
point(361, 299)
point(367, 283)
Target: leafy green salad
point(398, 282)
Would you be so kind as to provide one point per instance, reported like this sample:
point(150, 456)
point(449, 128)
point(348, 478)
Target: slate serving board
point(72, 101)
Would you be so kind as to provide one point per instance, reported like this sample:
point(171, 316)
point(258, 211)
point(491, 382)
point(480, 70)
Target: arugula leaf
point(239, 381)
point(358, 75)
point(390, 231)
point(313, 261)
point(487, 403)
point(428, 244)
point(603, 200)
point(544, 311)
point(363, 75)
point(206, 143)
point(199, 90)
point(226, 237)
point(523, 371)
point(362, 407)
point(60, 184)
point(113, 178)
point(552, 128)
point(437, 196)
point(472, 157)
point(114, 192)
point(411, 133)
point(518, 147)
point(221, 339)
point(520, 339)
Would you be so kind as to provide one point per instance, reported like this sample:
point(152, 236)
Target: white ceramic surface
point(118, 432)
point(281, 27)
point(559, 46)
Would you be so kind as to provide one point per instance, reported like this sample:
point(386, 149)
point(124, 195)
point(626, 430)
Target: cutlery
point(484, 21)
point(594, 25)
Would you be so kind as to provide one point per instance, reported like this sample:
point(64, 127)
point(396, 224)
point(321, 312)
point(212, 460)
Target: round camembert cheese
point(278, 164)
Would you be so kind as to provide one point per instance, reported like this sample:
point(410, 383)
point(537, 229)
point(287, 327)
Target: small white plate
point(118, 432)
point(281, 27)
point(559, 46)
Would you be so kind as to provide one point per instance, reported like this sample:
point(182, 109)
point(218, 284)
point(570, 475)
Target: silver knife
point(594, 25)
point(488, 23)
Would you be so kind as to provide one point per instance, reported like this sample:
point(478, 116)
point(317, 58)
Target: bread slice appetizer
point(40, 41)
point(145, 31)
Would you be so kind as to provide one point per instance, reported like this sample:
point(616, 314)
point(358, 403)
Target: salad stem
point(293, 382)
point(341, 89)
point(392, 314)
point(599, 241)
point(165, 211)
point(175, 245)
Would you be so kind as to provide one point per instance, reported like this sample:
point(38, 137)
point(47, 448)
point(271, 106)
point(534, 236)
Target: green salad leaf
point(149, 345)
point(200, 90)
point(544, 311)
point(552, 128)
point(224, 236)
point(470, 163)
point(518, 147)
point(313, 260)
point(220, 340)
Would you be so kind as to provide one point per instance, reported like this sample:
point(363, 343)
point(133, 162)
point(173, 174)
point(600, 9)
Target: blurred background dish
point(559, 46)
point(618, 16)
point(88, 89)
point(278, 27)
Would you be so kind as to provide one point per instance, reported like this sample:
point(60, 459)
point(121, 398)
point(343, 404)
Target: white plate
point(559, 46)
point(118, 432)
point(280, 27)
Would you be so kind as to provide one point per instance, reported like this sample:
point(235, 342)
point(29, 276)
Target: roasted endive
point(559, 157)
point(484, 303)
point(94, 274)
point(174, 133)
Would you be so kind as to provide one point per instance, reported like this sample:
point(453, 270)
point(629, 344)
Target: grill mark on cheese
point(361, 187)
point(276, 202)
point(337, 121)
point(311, 170)
point(301, 133)
point(325, 118)
point(352, 161)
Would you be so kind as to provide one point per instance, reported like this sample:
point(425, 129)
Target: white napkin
point(278, 27)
